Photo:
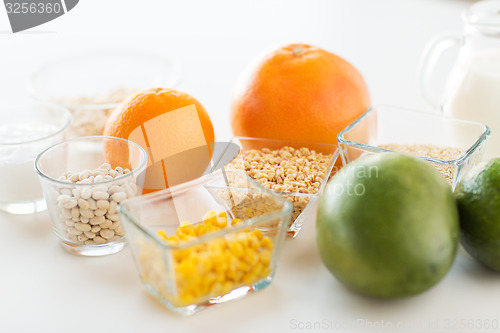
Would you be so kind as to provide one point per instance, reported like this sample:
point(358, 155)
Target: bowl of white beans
point(83, 181)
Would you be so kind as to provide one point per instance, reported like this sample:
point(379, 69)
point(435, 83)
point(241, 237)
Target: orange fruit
point(298, 92)
point(173, 128)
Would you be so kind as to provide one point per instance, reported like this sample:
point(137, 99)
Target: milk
point(18, 179)
point(474, 94)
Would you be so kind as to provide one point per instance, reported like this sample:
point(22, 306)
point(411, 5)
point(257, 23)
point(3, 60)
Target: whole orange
point(173, 128)
point(298, 92)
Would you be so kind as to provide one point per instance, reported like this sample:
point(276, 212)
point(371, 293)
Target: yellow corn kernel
point(253, 242)
point(162, 234)
point(257, 233)
point(237, 249)
point(265, 257)
point(236, 221)
point(249, 278)
point(201, 229)
point(266, 243)
point(208, 215)
point(185, 223)
point(257, 270)
point(251, 257)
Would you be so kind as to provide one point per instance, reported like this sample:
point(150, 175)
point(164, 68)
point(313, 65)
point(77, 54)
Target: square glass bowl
point(303, 198)
point(206, 268)
point(389, 125)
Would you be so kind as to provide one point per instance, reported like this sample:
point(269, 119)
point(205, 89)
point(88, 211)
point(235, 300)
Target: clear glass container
point(383, 125)
point(92, 84)
point(195, 274)
point(82, 194)
point(303, 203)
point(25, 131)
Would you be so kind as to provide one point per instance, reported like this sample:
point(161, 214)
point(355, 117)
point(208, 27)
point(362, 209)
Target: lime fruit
point(387, 225)
point(478, 199)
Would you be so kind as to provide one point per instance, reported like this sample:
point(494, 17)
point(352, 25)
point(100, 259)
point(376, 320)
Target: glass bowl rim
point(484, 135)
point(65, 112)
point(90, 138)
point(180, 188)
point(35, 92)
point(331, 163)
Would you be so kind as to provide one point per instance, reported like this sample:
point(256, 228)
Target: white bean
point(74, 232)
point(86, 193)
point(92, 204)
point(118, 197)
point(82, 238)
point(113, 217)
point(74, 178)
point(75, 212)
point(99, 240)
point(100, 195)
point(66, 213)
point(63, 198)
point(69, 223)
point(84, 175)
point(115, 189)
point(103, 204)
point(87, 213)
point(76, 193)
point(100, 212)
point(112, 207)
point(86, 181)
point(83, 204)
point(82, 226)
point(70, 204)
point(84, 219)
point(105, 166)
point(115, 225)
point(97, 220)
point(114, 238)
point(95, 228)
point(89, 234)
point(128, 190)
point(106, 233)
point(106, 224)
point(90, 242)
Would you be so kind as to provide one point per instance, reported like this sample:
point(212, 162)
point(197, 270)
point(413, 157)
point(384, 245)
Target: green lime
point(478, 198)
point(387, 225)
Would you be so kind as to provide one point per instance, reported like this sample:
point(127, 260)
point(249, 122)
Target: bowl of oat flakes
point(452, 145)
point(91, 84)
point(298, 171)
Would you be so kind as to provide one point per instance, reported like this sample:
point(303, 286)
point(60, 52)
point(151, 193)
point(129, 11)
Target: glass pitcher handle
point(427, 65)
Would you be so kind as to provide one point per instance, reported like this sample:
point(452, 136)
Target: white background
point(44, 289)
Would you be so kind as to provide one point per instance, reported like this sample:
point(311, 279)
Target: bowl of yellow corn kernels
point(208, 241)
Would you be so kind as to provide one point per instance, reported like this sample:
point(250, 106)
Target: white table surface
point(44, 289)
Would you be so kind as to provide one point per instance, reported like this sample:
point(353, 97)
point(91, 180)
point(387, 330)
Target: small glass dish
point(92, 84)
point(208, 269)
point(389, 125)
point(82, 192)
point(26, 130)
point(304, 200)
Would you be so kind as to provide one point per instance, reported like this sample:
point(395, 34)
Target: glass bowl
point(303, 199)
point(26, 130)
point(392, 127)
point(90, 85)
point(213, 267)
point(83, 181)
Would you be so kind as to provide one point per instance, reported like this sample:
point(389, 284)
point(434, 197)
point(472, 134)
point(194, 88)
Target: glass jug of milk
point(472, 91)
